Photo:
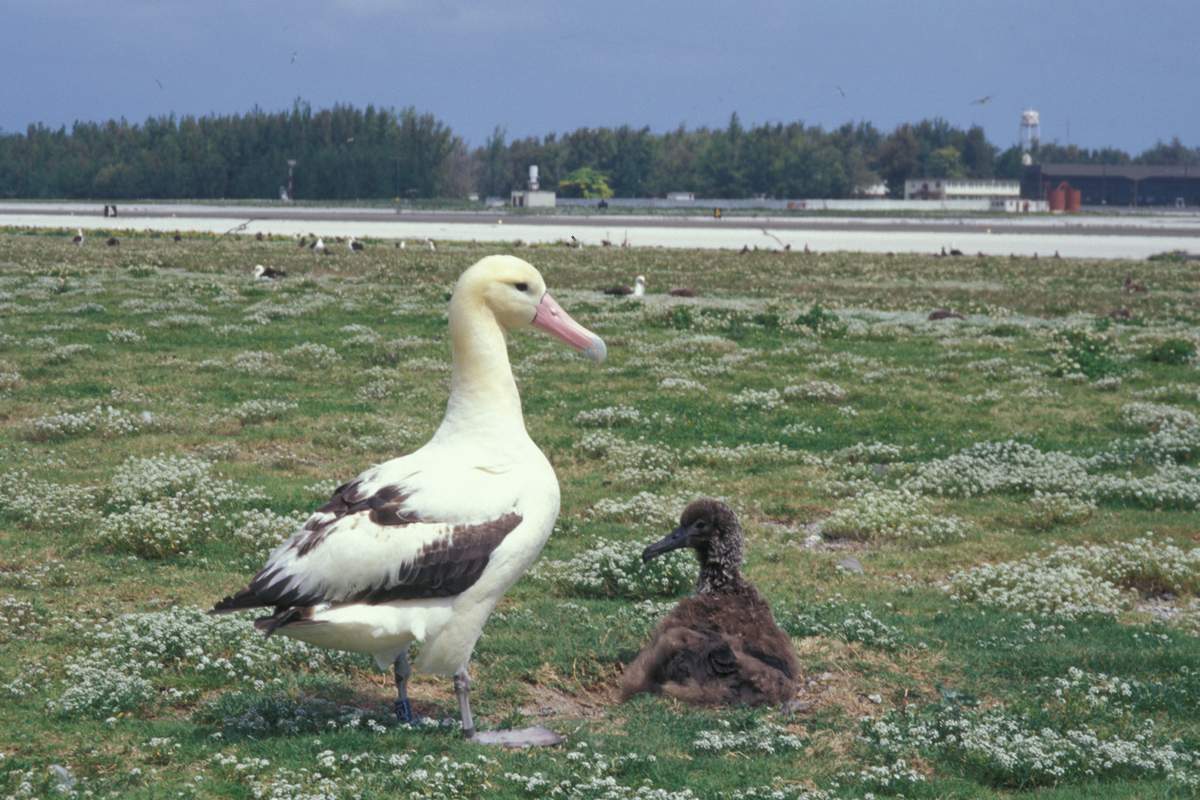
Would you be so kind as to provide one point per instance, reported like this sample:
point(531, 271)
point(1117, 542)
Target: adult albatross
point(420, 548)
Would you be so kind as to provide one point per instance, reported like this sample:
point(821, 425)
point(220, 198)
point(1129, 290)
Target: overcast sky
point(1100, 72)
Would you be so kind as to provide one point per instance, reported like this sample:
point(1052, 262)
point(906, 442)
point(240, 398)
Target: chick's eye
point(521, 287)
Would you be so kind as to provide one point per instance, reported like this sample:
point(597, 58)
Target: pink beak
point(551, 318)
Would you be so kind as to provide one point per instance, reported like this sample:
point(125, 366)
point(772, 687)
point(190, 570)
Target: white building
point(1017, 205)
point(528, 198)
point(960, 189)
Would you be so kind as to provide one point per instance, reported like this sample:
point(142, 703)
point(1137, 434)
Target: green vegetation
point(346, 153)
point(585, 182)
point(980, 533)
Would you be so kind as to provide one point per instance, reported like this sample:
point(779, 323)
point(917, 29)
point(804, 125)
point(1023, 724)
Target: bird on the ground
point(400, 245)
point(259, 236)
point(78, 240)
point(1121, 313)
point(621, 290)
point(1131, 286)
point(574, 243)
point(422, 547)
point(268, 273)
point(354, 245)
point(682, 291)
point(318, 246)
point(944, 313)
point(745, 249)
point(112, 241)
point(430, 244)
point(303, 242)
point(178, 238)
point(721, 646)
point(954, 251)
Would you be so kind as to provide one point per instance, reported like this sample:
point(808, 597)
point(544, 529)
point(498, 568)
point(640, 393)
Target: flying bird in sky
point(841, 91)
point(294, 52)
point(156, 80)
point(982, 101)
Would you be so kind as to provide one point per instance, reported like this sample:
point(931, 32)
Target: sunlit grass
point(846, 434)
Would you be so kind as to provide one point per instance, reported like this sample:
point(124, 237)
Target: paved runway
point(1086, 236)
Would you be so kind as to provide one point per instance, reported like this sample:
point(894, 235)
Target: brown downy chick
point(721, 646)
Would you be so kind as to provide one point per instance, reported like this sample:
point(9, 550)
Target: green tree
point(897, 159)
point(945, 162)
point(585, 182)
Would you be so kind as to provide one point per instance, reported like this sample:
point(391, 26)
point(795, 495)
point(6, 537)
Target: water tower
point(1031, 129)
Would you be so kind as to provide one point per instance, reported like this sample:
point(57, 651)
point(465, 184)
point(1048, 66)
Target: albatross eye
point(521, 287)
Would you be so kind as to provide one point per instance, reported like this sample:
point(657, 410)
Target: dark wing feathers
point(447, 566)
point(444, 567)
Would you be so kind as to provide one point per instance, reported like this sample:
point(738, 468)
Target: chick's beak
point(555, 321)
point(672, 541)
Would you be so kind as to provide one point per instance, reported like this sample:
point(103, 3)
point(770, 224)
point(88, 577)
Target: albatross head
point(259, 269)
point(516, 295)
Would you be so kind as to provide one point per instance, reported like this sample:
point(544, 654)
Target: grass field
point(981, 534)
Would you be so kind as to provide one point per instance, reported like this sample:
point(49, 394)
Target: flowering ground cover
point(981, 533)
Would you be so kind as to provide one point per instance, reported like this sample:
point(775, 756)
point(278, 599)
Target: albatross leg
point(401, 670)
point(536, 736)
point(462, 690)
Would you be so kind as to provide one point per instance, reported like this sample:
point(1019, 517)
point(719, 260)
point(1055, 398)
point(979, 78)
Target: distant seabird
point(268, 273)
point(432, 246)
point(113, 241)
point(620, 290)
point(318, 246)
point(78, 240)
point(355, 244)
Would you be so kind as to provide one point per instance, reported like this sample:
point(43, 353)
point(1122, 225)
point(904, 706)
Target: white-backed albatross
point(420, 548)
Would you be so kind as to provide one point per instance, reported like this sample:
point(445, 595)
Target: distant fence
point(706, 204)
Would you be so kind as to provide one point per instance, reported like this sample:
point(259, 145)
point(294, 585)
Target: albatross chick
point(720, 646)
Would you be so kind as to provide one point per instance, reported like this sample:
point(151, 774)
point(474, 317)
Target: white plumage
point(420, 548)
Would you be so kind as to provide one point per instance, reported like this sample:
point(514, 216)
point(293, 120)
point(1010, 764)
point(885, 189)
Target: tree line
point(346, 153)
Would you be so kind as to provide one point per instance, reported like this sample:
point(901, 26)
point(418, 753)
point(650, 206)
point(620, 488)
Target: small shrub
point(1080, 351)
point(615, 569)
point(1051, 509)
point(822, 322)
point(891, 514)
point(1172, 351)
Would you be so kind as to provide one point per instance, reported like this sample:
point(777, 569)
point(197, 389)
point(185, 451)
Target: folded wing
point(381, 539)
